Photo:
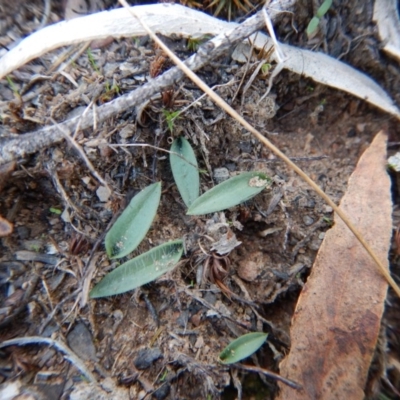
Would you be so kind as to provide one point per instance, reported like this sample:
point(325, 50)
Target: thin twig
point(82, 154)
point(270, 374)
point(223, 104)
point(294, 159)
point(70, 355)
point(113, 146)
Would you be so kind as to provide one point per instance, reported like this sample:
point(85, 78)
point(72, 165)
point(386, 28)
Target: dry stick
point(70, 355)
point(82, 154)
point(20, 146)
point(270, 374)
point(224, 105)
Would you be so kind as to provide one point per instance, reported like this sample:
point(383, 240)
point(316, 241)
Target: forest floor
point(163, 339)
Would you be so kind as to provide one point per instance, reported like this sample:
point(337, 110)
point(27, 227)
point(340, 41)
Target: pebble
point(162, 392)
point(127, 131)
point(308, 220)
point(248, 270)
point(146, 357)
point(81, 342)
point(103, 193)
point(221, 174)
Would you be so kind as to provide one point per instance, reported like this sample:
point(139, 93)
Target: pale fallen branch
point(169, 19)
point(70, 355)
point(19, 146)
point(386, 15)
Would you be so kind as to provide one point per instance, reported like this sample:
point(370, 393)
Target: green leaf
point(230, 193)
point(242, 347)
point(323, 9)
point(140, 270)
point(312, 25)
point(185, 171)
point(132, 225)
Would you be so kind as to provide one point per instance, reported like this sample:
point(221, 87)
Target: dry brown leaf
point(337, 319)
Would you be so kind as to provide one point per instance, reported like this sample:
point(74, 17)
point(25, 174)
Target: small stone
point(314, 245)
point(162, 392)
point(146, 357)
point(196, 319)
point(65, 216)
point(103, 193)
point(108, 385)
point(308, 220)
point(127, 131)
point(199, 342)
point(394, 162)
point(81, 342)
point(248, 270)
point(221, 174)
point(6, 227)
point(23, 232)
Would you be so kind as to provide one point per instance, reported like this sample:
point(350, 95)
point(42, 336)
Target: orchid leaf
point(324, 8)
point(242, 347)
point(230, 193)
point(312, 25)
point(184, 168)
point(132, 225)
point(140, 270)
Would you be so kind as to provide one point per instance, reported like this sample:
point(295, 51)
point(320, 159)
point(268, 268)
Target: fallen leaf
point(387, 21)
point(337, 318)
point(6, 227)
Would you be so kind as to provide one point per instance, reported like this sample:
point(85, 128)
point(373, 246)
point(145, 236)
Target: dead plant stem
point(225, 106)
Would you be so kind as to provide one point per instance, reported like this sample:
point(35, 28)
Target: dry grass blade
point(220, 102)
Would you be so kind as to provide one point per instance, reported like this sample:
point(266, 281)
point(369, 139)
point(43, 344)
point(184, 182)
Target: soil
point(163, 339)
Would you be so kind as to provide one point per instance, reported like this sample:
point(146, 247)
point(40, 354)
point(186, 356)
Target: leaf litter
point(337, 320)
point(278, 264)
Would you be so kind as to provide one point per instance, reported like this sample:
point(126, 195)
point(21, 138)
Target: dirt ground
point(162, 341)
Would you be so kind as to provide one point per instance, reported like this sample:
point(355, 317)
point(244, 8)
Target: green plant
point(193, 44)
point(242, 347)
point(322, 10)
point(170, 117)
point(184, 168)
point(92, 60)
point(265, 68)
point(12, 85)
point(230, 193)
point(135, 221)
point(132, 225)
point(164, 376)
point(140, 270)
point(55, 210)
point(227, 194)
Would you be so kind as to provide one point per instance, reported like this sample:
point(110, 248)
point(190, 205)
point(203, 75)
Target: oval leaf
point(185, 171)
point(312, 25)
point(323, 9)
point(140, 270)
point(230, 193)
point(242, 347)
point(132, 225)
